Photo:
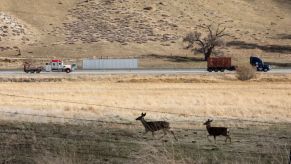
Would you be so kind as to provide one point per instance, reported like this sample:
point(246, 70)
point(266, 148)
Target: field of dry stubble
point(92, 119)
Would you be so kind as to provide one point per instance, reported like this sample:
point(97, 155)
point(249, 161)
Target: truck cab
point(58, 66)
point(259, 64)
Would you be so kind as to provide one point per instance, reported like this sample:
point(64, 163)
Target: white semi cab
point(58, 66)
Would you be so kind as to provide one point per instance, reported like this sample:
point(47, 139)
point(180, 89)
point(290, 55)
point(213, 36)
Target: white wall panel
point(92, 64)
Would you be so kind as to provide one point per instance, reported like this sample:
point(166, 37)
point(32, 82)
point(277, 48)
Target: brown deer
point(155, 126)
point(217, 131)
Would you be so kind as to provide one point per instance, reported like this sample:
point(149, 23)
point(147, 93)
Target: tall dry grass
point(245, 72)
point(267, 98)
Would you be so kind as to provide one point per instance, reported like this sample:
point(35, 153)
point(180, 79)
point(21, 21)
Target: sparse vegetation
point(245, 72)
point(49, 143)
point(122, 29)
point(36, 129)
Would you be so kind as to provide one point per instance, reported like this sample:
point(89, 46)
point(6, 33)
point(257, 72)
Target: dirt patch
point(26, 80)
point(186, 78)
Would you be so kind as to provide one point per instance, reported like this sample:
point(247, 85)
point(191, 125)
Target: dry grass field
point(264, 98)
point(49, 118)
point(91, 119)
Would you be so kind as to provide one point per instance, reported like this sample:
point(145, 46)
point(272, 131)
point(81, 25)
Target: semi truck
point(59, 66)
point(224, 63)
point(259, 64)
point(52, 66)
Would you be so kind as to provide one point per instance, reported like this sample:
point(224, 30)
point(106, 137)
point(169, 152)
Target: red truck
point(219, 64)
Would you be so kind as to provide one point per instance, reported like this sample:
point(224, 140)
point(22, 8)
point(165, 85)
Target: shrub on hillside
point(246, 72)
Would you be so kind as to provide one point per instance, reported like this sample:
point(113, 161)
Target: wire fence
point(117, 107)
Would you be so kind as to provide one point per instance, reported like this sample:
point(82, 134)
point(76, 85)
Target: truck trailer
point(29, 68)
point(219, 64)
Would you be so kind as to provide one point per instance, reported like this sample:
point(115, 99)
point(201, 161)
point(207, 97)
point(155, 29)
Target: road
point(139, 71)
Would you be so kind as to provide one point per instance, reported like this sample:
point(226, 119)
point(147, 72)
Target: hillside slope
point(122, 28)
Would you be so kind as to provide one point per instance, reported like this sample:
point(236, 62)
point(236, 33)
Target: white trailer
point(99, 64)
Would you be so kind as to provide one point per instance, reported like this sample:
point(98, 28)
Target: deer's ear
point(145, 113)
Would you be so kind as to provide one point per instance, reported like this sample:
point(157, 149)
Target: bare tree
point(206, 45)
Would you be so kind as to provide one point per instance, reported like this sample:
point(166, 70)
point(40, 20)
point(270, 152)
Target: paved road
point(140, 71)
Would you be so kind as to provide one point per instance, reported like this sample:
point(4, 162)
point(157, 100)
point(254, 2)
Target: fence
point(126, 108)
point(92, 64)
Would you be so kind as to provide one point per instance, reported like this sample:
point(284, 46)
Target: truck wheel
point(209, 70)
point(259, 69)
point(68, 70)
point(265, 70)
point(222, 70)
point(215, 70)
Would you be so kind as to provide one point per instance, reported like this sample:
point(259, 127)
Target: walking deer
point(217, 131)
point(155, 126)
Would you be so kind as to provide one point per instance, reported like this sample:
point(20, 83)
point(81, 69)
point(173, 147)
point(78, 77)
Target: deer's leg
point(145, 132)
point(173, 135)
point(208, 138)
point(165, 133)
point(229, 139)
point(153, 133)
point(214, 139)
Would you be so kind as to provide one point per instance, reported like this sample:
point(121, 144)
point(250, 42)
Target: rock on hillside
point(12, 31)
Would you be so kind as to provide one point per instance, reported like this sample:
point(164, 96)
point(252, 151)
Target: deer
point(216, 131)
point(155, 126)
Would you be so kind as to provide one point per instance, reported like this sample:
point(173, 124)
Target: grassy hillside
point(123, 28)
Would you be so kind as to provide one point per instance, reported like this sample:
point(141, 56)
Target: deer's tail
point(228, 131)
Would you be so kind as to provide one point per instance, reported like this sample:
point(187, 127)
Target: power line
point(91, 104)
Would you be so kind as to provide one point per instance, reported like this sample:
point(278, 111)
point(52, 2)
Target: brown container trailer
point(28, 68)
point(219, 64)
